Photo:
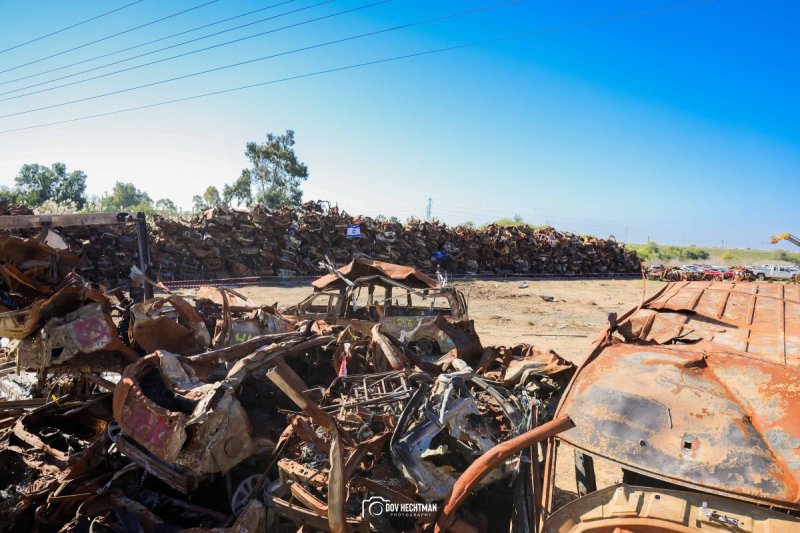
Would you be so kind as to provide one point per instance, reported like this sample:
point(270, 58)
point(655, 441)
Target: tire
point(761, 277)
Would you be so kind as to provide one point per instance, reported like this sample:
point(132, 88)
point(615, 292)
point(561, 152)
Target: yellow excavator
point(785, 236)
point(792, 239)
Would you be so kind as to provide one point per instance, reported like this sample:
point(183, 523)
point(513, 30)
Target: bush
point(653, 252)
point(781, 255)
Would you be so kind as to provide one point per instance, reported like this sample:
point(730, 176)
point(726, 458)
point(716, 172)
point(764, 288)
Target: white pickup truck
point(775, 272)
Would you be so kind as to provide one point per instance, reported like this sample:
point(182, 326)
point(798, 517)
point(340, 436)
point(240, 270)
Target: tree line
point(274, 179)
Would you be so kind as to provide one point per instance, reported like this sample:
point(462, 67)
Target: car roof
point(362, 267)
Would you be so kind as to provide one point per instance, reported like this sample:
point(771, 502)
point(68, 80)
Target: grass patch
point(657, 253)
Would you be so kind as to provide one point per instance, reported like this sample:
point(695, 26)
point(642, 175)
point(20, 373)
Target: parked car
point(774, 272)
point(716, 273)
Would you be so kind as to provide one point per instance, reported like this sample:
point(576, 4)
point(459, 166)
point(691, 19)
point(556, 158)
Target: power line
point(169, 47)
point(371, 63)
point(140, 26)
point(271, 56)
point(190, 30)
point(70, 27)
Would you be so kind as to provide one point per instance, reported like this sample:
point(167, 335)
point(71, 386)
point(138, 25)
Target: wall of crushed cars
point(226, 243)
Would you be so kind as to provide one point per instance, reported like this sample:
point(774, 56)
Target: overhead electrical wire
point(555, 29)
point(190, 52)
point(115, 52)
point(279, 54)
point(101, 15)
point(107, 37)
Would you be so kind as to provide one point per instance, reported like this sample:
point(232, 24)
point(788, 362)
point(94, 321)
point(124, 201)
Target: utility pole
point(429, 209)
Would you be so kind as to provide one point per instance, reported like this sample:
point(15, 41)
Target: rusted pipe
point(491, 460)
point(292, 386)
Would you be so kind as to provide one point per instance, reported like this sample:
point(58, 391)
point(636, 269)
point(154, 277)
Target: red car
point(717, 273)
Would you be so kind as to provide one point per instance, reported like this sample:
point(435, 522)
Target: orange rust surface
point(362, 266)
point(700, 387)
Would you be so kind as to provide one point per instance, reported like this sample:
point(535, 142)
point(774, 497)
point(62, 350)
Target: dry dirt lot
point(561, 315)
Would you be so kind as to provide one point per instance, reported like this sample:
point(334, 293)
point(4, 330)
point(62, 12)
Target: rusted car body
point(695, 394)
point(182, 418)
point(338, 298)
point(233, 319)
point(168, 323)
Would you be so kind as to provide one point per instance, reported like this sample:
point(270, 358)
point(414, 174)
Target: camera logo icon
point(374, 506)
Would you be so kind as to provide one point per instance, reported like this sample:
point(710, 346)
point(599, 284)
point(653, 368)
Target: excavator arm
point(787, 236)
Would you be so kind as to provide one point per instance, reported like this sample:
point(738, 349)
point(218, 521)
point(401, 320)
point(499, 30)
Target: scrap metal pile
point(224, 243)
point(208, 413)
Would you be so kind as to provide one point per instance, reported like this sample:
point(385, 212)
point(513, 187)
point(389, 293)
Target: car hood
point(699, 386)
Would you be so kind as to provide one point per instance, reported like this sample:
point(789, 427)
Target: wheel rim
point(244, 491)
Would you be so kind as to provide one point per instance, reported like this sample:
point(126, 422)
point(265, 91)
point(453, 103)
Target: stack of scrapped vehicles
point(372, 406)
point(207, 413)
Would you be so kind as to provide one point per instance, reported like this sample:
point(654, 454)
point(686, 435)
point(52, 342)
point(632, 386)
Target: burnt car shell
point(335, 300)
point(699, 388)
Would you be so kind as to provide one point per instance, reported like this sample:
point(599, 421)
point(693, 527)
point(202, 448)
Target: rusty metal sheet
point(516, 364)
point(168, 323)
point(710, 409)
point(245, 329)
point(21, 323)
point(761, 320)
point(86, 337)
point(32, 269)
point(361, 266)
point(630, 508)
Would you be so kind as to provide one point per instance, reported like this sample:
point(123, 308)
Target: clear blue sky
point(681, 126)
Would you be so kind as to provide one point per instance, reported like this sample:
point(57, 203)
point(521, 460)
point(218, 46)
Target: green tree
point(126, 197)
point(36, 184)
point(166, 205)
point(211, 196)
point(275, 171)
point(198, 204)
point(7, 194)
point(240, 191)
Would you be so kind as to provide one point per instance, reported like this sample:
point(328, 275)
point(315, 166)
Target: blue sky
point(680, 126)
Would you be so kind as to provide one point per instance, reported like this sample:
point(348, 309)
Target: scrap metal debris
point(223, 243)
point(204, 412)
point(372, 405)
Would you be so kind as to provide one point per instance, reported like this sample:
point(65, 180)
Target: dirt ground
point(561, 315)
